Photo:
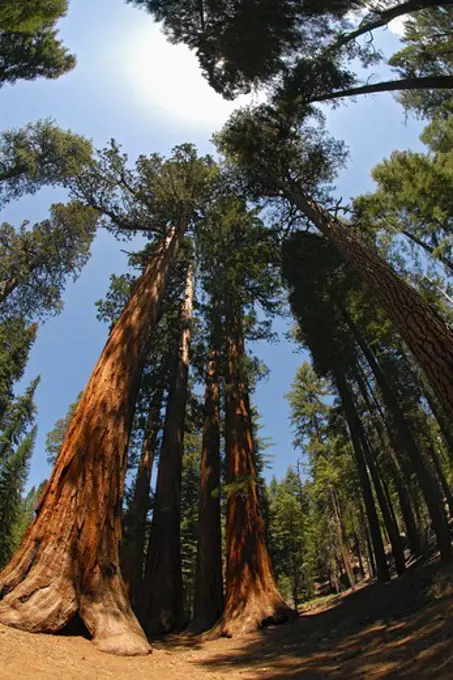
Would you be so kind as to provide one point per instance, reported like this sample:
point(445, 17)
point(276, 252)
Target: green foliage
point(27, 56)
point(16, 447)
point(153, 195)
point(413, 196)
point(289, 538)
point(39, 154)
point(26, 513)
point(13, 476)
point(35, 263)
point(242, 45)
point(22, 15)
point(428, 51)
point(29, 46)
point(55, 437)
point(16, 339)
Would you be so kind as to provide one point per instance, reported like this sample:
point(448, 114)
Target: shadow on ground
point(402, 629)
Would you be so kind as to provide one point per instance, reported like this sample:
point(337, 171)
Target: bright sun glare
point(167, 78)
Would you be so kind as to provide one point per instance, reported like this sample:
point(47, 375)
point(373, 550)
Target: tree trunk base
point(39, 598)
point(256, 613)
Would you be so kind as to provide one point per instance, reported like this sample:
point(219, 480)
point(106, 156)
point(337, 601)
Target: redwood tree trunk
point(252, 598)
point(68, 562)
point(370, 508)
point(134, 549)
point(427, 336)
point(405, 440)
point(208, 579)
point(163, 600)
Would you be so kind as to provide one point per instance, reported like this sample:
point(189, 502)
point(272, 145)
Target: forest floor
point(403, 629)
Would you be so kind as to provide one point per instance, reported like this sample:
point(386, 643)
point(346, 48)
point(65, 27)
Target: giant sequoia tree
point(68, 562)
point(239, 271)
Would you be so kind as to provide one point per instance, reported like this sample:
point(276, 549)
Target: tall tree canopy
point(29, 46)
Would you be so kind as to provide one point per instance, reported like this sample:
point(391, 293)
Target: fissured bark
point(68, 562)
point(208, 604)
point(163, 577)
point(427, 336)
point(252, 598)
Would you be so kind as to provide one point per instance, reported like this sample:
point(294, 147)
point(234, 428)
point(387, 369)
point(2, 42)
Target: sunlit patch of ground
point(399, 630)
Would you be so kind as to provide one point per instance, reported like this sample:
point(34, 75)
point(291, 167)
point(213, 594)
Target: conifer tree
point(29, 46)
point(82, 530)
point(279, 160)
point(13, 475)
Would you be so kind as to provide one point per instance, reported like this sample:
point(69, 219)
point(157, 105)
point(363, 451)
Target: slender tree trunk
point(414, 83)
point(390, 524)
point(252, 598)
point(441, 418)
point(373, 521)
point(208, 580)
point(346, 557)
point(403, 493)
point(441, 475)
point(403, 434)
point(134, 549)
point(359, 555)
point(164, 597)
point(383, 17)
point(68, 562)
point(426, 335)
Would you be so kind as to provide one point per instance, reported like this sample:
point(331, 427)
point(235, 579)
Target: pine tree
point(13, 476)
point(16, 340)
point(29, 46)
point(99, 431)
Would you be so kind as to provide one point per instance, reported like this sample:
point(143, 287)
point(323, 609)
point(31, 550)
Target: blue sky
point(130, 84)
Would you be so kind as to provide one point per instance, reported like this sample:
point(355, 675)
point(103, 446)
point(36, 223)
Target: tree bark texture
point(406, 441)
point(441, 418)
point(404, 498)
point(164, 596)
point(382, 569)
point(427, 336)
point(134, 549)
point(252, 598)
point(68, 562)
point(208, 579)
point(384, 504)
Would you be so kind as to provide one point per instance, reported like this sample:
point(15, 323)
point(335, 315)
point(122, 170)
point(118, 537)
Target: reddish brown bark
point(208, 579)
point(252, 598)
point(163, 601)
point(134, 547)
point(427, 336)
point(68, 562)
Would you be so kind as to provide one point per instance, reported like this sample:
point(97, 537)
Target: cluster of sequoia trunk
point(69, 564)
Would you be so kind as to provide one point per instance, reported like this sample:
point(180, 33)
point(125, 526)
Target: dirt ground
point(403, 629)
